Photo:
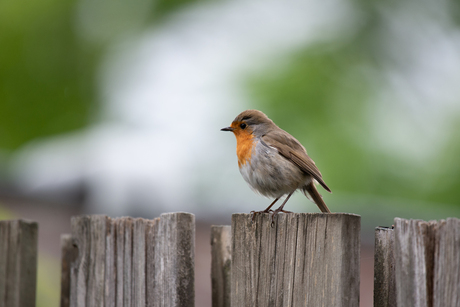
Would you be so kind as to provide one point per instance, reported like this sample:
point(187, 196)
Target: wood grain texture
point(152, 283)
point(221, 261)
point(18, 263)
point(175, 260)
point(68, 255)
point(305, 260)
point(447, 264)
point(110, 265)
point(139, 266)
point(426, 264)
point(414, 262)
point(129, 262)
point(384, 268)
point(88, 270)
point(119, 260)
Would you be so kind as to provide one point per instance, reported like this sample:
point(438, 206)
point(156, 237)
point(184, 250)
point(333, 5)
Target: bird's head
point(250, 122)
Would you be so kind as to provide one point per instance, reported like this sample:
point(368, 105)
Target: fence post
point(131, 262)
point(384, 268)
point(18, 263)
point(221, 261)
point(426, 264)
point(175, 260)
point(414, 252)
point(68, 255)
point(447, 264)
point(306, 259)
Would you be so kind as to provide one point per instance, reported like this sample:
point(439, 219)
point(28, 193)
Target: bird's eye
point(243, 125)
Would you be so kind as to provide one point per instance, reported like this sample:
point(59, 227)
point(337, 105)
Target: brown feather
point(317, 198)
point(292, 150)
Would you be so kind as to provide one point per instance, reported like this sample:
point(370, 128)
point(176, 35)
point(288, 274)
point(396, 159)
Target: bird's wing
point(292, 150)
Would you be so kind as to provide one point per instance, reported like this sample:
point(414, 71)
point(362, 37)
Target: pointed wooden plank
point(305, 260)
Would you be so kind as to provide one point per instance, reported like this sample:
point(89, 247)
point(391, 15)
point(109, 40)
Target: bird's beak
point(227, 129)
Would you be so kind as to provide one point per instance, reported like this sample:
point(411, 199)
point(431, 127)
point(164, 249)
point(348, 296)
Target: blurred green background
point(376, 104)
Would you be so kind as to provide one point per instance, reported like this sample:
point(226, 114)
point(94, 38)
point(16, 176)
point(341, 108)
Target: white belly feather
point(270, 174)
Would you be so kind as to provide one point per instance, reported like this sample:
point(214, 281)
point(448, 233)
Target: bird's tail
point(310, 190)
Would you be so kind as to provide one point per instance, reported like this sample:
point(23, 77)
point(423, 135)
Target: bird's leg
point(280, 209)
point(264, 211)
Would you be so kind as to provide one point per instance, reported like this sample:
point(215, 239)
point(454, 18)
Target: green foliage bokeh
point(321, 96)
point(47, 83)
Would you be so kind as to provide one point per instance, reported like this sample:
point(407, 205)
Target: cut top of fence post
point(306, 259)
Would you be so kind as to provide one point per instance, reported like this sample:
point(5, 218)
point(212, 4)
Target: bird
point(273, 162)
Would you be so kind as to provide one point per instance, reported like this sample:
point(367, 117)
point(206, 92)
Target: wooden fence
point(417, 264)
point(130, 262)
point(304, 260)
point(18, 263)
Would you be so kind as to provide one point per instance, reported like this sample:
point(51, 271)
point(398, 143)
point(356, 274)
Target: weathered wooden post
point(384, 268)
point(306, 259)
point(131, 262)
point(18, 263)
point(68, 255)
point(414, 251)
point(426, 259)
point(221, 263)
point(446, 281)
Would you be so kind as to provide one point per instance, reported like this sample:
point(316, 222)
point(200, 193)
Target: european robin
point(273, 162)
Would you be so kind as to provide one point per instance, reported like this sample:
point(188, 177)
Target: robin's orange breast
point(244, 147)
